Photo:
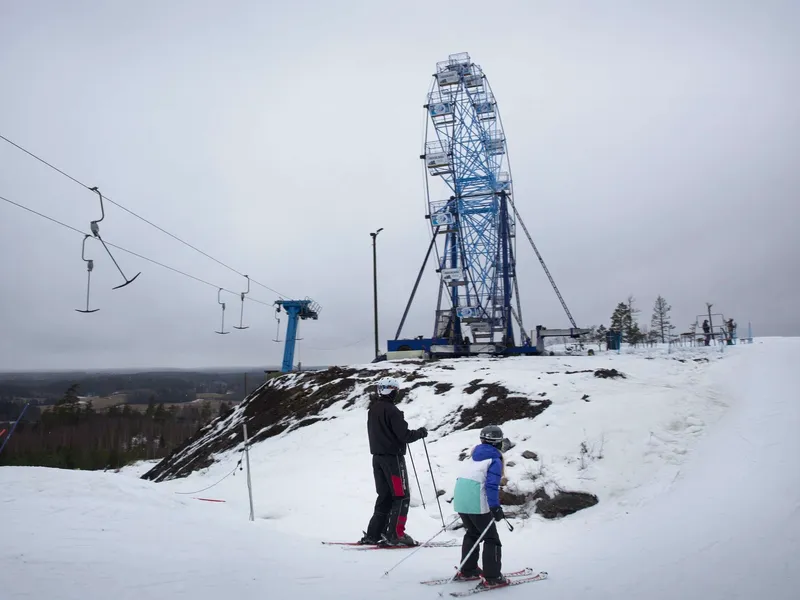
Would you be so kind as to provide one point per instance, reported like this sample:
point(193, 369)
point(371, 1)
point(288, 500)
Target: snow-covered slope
point(698, 487)
point(621, 439)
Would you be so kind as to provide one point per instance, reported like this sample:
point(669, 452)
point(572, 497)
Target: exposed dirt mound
point(564, 503)
point(473, 386)
point(442, 388)
point(295, 400)
point(496, 406)
point(608, 374)
point(414, 376)
point(560, 505)
point(511, 498)
point(284, 403)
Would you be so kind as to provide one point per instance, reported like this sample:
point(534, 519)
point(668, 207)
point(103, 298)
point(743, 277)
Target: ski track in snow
point(698, 484)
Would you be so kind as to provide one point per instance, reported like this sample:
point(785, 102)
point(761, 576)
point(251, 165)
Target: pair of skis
point(357, 546)
point(526, 575)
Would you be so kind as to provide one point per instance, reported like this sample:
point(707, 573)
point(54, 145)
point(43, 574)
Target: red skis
point(520, 573)
point(357, 546)
point(477, 590)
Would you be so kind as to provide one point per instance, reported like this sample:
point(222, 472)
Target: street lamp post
point(374, 236)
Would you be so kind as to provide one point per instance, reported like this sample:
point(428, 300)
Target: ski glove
point(422, 432)
point(497, 513)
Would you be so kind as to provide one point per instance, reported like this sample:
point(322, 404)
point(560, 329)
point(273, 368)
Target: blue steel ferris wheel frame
point(465, 149)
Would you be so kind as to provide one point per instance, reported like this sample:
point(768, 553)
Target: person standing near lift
point(389, 434)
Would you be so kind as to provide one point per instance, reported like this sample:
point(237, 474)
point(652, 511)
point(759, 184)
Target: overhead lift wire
point(141, 218)
point(131, 252)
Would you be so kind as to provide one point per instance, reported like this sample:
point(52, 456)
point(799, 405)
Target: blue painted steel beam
point(296, 310)
point(291, 336)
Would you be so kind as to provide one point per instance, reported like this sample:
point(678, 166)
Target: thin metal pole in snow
point(411, 456)
point(247, 461)
point(435, 489)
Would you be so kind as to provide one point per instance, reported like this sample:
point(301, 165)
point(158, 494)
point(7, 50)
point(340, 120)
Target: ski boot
point(493, 582)
point(398, 541)
point(468, 575)
point(368, 541)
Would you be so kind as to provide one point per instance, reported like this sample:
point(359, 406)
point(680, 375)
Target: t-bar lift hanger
point(241, 314)
point(95, 227)
point(89, 267)
point(222, 332)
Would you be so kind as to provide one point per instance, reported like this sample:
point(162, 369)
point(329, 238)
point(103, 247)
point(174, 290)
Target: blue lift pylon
point(296, 309)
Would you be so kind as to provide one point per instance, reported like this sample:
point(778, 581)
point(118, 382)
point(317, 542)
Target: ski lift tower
point(296, 309)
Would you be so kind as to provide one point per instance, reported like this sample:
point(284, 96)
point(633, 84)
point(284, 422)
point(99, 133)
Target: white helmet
point(387, 385)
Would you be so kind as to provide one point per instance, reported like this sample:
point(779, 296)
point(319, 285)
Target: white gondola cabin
point(495, 145)
point(448, 77)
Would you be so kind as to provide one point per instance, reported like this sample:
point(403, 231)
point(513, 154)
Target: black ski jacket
point(387, 429)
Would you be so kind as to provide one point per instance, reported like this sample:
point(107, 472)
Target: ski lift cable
point(238, 464)
point(141, 218)
point(131, 252)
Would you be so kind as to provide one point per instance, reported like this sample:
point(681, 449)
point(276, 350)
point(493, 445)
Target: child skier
point(477, 501)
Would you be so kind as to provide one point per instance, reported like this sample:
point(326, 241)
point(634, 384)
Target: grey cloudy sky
point(654, 148)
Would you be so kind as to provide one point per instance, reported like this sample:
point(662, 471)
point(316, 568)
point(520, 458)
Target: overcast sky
point(655, 149)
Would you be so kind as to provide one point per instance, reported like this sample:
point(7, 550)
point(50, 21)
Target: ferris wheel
point(469, 195)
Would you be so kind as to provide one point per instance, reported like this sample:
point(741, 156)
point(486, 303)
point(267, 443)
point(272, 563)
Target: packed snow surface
point(693, 456)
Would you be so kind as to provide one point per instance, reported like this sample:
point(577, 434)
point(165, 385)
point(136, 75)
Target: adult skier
point(388, 436)
point(477, 501)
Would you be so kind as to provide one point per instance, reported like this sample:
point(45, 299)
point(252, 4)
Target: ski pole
point(417, 549)
point(435, 489)
point(411, 456)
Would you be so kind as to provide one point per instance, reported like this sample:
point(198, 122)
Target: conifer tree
point(632, 331)
point(660, 321)
point(619, 318)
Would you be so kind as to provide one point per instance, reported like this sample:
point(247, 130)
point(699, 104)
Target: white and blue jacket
point(478, 487)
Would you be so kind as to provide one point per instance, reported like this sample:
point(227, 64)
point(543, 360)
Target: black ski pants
point(492, 548)
point(391, 506)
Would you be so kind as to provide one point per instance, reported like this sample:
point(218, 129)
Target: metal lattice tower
point(469, 194)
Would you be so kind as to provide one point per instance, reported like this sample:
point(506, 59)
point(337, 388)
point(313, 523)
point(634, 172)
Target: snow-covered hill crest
point(604, 425)
point(698, 486)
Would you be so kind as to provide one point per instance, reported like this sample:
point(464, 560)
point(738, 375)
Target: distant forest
point(70, 423)
point(140, 388)
point(73, 435)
